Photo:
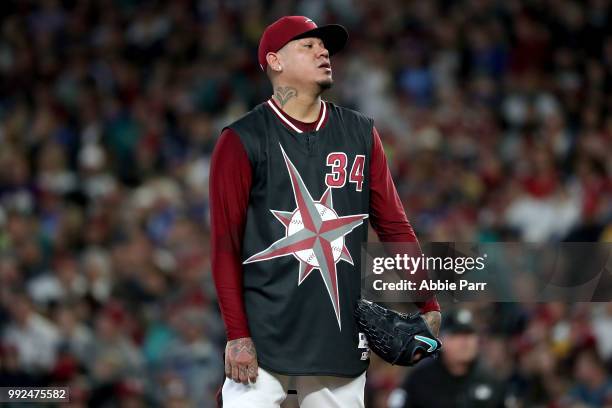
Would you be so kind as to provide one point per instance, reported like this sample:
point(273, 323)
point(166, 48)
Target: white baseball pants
point(270, 390)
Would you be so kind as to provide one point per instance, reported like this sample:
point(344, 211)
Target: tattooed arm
point(241, 360)
point(433, 320)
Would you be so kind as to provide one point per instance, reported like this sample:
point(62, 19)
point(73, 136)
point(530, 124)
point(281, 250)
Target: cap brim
point(458, 329)
point(334, 36)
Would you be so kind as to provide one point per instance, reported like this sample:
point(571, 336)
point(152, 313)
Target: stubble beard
point(325, 84)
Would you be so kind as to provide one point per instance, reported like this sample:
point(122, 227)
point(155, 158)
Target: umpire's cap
point(290, 28)
point(458, 321)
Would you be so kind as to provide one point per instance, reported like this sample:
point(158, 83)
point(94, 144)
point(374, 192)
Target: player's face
point(308, 61)
point(460, 348)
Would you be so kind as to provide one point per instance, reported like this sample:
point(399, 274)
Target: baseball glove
point(395, 337)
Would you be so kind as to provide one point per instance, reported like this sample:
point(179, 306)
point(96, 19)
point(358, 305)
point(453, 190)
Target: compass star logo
point(314, 235)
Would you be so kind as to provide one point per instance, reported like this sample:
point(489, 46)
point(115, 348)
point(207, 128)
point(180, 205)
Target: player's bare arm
point(241, 360)
point(433, 320)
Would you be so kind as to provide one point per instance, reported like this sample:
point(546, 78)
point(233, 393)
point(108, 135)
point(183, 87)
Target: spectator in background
point(112, 357)
point(11, 370)
point(602, 328)
point(63, 283)
point(192, 357)
point(593, 386)
point(456, 378)
point(75, 337)
point(32, 336)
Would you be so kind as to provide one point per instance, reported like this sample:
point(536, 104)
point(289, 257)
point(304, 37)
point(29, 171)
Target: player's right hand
point(241, 360)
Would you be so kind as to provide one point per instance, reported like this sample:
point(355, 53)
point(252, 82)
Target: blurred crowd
point(497, 122)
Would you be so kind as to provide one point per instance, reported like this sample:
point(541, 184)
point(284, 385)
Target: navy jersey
point(306, 220)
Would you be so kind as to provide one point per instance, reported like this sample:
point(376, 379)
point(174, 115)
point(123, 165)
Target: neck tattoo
point(284, 93)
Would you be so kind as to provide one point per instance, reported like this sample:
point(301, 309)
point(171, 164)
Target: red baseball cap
point(290, 28)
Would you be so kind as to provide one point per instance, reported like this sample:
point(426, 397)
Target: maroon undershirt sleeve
point(230, 186)
point(386, 210)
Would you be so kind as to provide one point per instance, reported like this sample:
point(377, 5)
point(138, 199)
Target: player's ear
point(274, 62)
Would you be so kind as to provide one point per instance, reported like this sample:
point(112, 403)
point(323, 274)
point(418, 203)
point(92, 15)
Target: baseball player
point(293, 185)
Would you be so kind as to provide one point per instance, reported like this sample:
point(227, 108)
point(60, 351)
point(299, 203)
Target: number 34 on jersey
point(337, 177)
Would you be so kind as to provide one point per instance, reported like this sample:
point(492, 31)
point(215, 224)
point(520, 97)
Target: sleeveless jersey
point(306, 221)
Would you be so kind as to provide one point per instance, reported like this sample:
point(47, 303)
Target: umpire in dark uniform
point(455, 379)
